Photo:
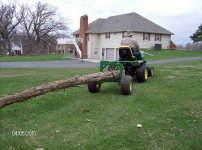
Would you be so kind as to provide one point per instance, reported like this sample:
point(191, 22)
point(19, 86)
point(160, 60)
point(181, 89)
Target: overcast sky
point(182, 17)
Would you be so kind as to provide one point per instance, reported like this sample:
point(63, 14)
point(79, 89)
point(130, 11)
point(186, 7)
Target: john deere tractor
point(130, 69)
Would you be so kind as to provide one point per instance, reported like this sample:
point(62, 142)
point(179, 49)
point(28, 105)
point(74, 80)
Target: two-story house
point(101, 38)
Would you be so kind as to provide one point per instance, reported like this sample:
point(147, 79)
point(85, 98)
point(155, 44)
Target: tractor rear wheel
point(142, 73)
point(126, 85)
point(94, 87)
point(150, 71)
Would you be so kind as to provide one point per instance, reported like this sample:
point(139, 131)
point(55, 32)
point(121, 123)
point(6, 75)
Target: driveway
point(174, 60)
point(49, 64)
point(79, 63)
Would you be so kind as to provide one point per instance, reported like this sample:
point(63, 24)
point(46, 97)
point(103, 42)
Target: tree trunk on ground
point(57, 85)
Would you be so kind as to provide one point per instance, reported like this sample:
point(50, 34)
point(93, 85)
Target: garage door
point(110, 53)
point(117, 53)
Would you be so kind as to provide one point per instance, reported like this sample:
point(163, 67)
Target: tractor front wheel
point(150, 71)
point(94, 87)
point(126, 85)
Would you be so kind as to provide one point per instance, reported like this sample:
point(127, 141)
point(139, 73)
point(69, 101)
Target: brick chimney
point(83, 35)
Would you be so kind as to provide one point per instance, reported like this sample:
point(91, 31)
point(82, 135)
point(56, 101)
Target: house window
point(77, 35)
point(157, 37)
point(88, 37)
point(117, 53)
point(107, 35)
point(44, 46)
point(146, 36)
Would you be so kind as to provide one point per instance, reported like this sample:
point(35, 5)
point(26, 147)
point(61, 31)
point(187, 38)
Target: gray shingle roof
point(125, 22)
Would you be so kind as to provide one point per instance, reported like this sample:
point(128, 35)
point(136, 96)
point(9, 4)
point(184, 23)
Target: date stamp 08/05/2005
point(23, 133)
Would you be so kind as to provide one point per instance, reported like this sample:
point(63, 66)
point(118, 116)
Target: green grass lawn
point(162, 54)
point(165, 54)
point(49, 57)
point(168, 105)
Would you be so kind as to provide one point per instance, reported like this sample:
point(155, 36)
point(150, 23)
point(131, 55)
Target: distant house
point(15, 48)
point(21, 45)
point(101, 38)
point(65, 45)
point(47, 46)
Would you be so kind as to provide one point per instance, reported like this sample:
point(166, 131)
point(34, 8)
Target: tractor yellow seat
point(126, 53)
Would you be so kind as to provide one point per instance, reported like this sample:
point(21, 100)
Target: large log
point(57, 85)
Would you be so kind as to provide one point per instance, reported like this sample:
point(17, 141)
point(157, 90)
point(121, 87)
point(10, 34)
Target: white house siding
point(93, 46)
point(98, 42)
point(112, 43)
point(165, 40)
point(144, 43)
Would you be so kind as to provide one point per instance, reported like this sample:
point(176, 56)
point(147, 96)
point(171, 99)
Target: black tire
point(142, 73)
point(94, 87)
point(150, 71)
point(126, 85)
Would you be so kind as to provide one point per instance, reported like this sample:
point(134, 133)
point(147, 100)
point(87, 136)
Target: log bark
point(57, 85)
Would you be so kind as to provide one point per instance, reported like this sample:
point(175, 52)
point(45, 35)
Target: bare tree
point(9, 20)
point(41, 21)
point(27, 25)
point(197, 46)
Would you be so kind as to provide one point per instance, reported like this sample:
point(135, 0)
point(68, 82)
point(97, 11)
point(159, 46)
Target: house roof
point(125, 22)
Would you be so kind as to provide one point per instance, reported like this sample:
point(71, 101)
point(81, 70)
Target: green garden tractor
point(130, 69)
